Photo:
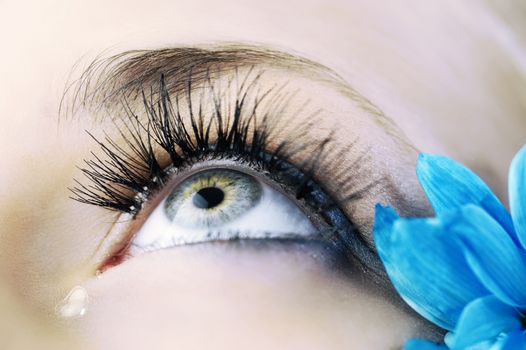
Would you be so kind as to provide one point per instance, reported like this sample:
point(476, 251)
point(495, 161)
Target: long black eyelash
point(125, 176)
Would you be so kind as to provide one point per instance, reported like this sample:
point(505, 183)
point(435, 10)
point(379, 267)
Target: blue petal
point(449, 339)
point(493, 256)
point(449, 185)
point(418, 344)
point(384, 218)
point(484, 319)
point(517, 192)
point(426, 266)
point(513, 341)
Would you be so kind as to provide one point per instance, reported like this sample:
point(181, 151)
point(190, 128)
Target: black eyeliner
point(127, 177)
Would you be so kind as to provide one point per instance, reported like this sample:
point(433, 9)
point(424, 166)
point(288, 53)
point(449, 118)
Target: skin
point(457, 95)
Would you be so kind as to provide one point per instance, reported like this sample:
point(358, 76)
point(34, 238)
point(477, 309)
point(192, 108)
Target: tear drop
point(75, 304)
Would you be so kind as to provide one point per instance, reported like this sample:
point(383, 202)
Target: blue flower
point(465, 269)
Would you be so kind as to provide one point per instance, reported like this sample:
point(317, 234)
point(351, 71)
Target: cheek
point(218, 297)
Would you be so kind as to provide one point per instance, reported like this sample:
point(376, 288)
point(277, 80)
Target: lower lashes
point(221, 236)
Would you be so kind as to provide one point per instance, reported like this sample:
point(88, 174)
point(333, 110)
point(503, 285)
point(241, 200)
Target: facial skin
point(456, 95)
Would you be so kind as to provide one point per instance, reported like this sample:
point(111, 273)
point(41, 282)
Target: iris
point(212, 198)
point(465, 269)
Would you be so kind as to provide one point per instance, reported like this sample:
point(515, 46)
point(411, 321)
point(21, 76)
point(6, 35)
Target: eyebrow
point(106, 82)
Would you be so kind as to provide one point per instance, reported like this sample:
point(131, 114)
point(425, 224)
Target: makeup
point(172, 135)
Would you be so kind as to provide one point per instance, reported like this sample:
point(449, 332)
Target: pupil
point(208, 197)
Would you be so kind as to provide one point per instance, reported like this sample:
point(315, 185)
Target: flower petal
point(484, 319)
point(426, 266)
point(517, 192)
point(419, 344)
point(449, 184)
point(514, 341)
point(384, 218)
point(493, 256)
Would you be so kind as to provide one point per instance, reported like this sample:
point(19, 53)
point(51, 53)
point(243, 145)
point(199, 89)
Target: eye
point(220, 204)
point(187, 171)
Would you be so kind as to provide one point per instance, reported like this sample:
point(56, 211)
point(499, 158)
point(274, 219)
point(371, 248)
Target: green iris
point(212, 198)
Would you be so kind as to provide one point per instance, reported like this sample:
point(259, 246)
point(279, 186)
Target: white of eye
point(247, 209)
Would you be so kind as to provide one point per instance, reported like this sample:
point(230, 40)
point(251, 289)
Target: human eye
point(231, 186)
point(191, 170)
point(319, 155)
point(221, 204)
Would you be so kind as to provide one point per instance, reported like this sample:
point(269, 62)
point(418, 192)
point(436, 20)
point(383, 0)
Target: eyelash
point(127, 178)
